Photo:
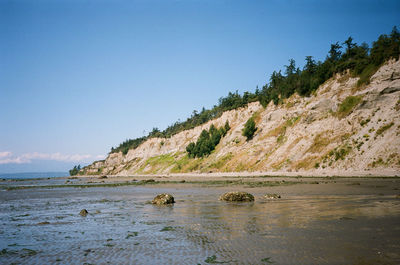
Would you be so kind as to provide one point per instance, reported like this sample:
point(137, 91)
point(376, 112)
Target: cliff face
point(341, 127)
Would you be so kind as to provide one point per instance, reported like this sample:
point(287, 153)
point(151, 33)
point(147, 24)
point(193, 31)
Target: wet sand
point(317, 221)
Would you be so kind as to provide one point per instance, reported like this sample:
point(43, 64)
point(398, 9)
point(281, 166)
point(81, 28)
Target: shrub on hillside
point(207, 141)
point(249, 129)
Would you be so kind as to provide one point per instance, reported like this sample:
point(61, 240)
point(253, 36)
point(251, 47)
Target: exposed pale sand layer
point(255, 176)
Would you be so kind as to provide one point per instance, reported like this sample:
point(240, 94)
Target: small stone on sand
point(272, 196)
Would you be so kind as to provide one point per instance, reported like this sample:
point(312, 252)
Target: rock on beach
point(272, 196)
point(237, 196)
point(83, 212)
point(163, 198)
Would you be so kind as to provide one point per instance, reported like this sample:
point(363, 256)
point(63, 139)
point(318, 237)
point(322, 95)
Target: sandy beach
point(329, 220)
point(234, 176)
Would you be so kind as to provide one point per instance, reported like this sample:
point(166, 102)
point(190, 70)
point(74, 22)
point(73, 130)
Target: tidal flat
point(316, 221)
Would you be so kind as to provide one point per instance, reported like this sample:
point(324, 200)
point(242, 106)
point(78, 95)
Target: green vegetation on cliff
point(128, 144)
point(207, 141)
point(347, 105)
point(249, 129)
point(75, 170)
point(360, 60)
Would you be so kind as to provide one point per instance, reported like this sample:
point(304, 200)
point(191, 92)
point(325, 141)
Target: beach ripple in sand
point(42, 226)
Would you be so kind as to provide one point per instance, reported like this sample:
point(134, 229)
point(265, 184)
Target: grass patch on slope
point(382, 129)
point(365, 76)
point(156, 163)
point(221, 161)
point(280, 130)
point(320, 142)
point(347, 106)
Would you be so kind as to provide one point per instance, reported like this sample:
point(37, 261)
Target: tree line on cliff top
point(360, 60)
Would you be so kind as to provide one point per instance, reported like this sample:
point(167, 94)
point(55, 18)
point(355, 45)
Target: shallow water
point(33, 175)
point(122, 228)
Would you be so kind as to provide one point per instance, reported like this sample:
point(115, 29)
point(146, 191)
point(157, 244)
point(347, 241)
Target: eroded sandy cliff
point(305, 134)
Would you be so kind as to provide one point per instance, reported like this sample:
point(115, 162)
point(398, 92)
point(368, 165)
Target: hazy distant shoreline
point(33, 175)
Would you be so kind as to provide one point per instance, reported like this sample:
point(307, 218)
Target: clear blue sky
point(78, 77)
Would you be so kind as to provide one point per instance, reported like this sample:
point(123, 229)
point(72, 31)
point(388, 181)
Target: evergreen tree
point(249, 129)
point(75, 170)
point(227, 127)
point(206, 142)
point(334, 52)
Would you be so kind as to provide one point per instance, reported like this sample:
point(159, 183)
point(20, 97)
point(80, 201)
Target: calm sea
point(32, 175)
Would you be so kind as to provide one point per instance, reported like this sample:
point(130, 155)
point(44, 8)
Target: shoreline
point(188, 180)
point(249, 175)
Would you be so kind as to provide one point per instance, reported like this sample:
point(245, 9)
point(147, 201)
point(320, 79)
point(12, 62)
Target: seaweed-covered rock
point(272, 196)
point(162, 199)
point(237, 196)
point(83, 212)
point(148, 181)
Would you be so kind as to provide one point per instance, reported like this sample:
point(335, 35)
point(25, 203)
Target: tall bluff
point(341, 127)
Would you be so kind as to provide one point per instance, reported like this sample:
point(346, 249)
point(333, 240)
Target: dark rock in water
point(182, 181)
point(103, 177)
point(43, 223)
point(237, 196)
point(149, 180)
point(272, 196)
point(83, 212)
point(162, 199)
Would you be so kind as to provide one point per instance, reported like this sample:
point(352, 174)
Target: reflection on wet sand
point(41, 226)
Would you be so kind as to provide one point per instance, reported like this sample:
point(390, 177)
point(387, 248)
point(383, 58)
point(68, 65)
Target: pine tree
point(249, 129)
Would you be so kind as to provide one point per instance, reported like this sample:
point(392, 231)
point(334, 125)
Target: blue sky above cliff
point(78, 77)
